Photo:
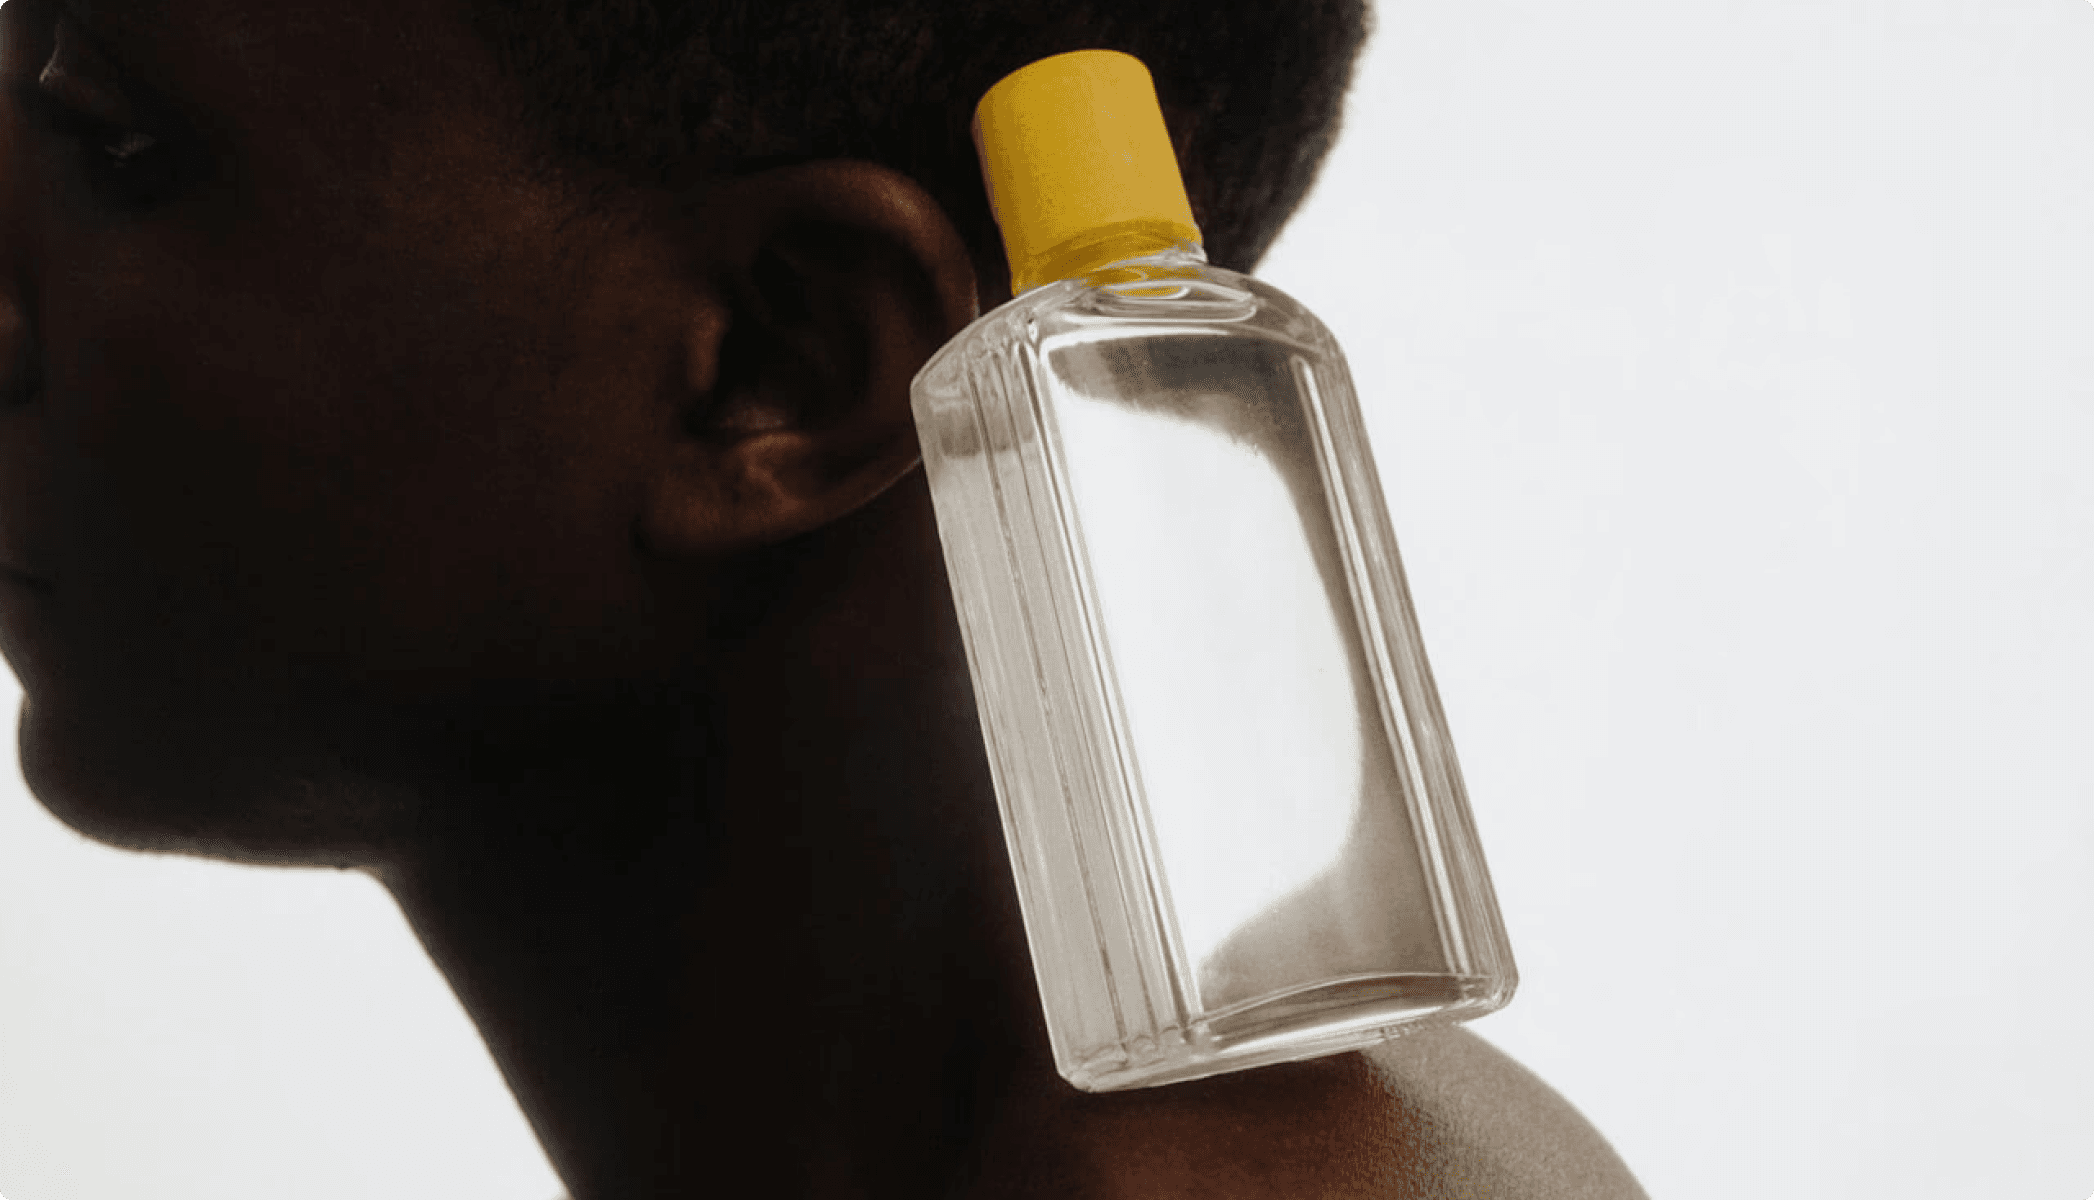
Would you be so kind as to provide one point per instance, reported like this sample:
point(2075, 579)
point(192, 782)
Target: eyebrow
point(122, 31)
point(123, 34)
point(119, 12)
point(103, 21)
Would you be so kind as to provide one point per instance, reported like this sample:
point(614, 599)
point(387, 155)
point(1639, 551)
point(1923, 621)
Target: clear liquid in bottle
point(1236, 820)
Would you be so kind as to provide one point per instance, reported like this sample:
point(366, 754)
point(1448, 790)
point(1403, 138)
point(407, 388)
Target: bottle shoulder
point(1137, 300)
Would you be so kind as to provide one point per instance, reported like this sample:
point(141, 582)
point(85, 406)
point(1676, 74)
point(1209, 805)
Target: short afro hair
point(671, 93)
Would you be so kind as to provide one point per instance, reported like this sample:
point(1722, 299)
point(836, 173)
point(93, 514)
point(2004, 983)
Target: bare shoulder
point(1439, 1115)
point(1463, 1119)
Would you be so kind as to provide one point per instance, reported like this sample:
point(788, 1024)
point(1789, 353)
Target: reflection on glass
point(1244, 700)
point(1236, 823)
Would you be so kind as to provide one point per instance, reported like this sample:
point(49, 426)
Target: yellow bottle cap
point(1079, 166)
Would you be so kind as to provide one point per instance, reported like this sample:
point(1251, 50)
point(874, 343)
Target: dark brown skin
point(363, 505)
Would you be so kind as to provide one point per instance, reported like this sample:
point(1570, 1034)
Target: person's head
point(652, 92)
point(394, 392)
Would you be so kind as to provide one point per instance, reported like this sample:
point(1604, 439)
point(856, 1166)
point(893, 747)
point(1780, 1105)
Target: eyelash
point(124, 164)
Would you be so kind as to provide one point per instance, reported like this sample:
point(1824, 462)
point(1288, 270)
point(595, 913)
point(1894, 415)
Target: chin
point(167, 788)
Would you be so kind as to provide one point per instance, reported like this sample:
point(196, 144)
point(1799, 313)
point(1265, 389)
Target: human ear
point(831, 283)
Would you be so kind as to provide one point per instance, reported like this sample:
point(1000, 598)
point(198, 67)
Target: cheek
point(262, 477)
point(185, 468)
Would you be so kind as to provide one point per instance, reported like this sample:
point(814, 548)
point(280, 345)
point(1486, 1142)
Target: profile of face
point(371, 495)
point(324, 408)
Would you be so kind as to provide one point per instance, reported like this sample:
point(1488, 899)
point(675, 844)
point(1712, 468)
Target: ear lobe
point(833, 283)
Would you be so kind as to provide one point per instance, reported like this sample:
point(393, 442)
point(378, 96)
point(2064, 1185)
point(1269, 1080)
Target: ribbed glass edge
point(1102, 793)
point(1095, 934)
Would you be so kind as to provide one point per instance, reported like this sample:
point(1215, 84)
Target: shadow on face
point(345, 453)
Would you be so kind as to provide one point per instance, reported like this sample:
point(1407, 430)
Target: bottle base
point(1328, 1018)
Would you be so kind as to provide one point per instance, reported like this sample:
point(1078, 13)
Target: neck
point(789, 940)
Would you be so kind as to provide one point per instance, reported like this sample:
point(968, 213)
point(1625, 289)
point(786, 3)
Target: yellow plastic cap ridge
point(1079, 165)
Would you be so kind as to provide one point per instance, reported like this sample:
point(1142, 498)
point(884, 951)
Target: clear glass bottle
point(1238, 828)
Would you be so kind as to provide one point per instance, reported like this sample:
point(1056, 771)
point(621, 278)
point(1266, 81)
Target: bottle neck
point(1163, 242)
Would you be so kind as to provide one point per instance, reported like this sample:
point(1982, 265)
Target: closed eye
point(117, 143)
point(74, 98)
point(126, 166)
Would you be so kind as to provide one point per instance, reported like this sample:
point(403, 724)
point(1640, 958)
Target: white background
point(1731, 368)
